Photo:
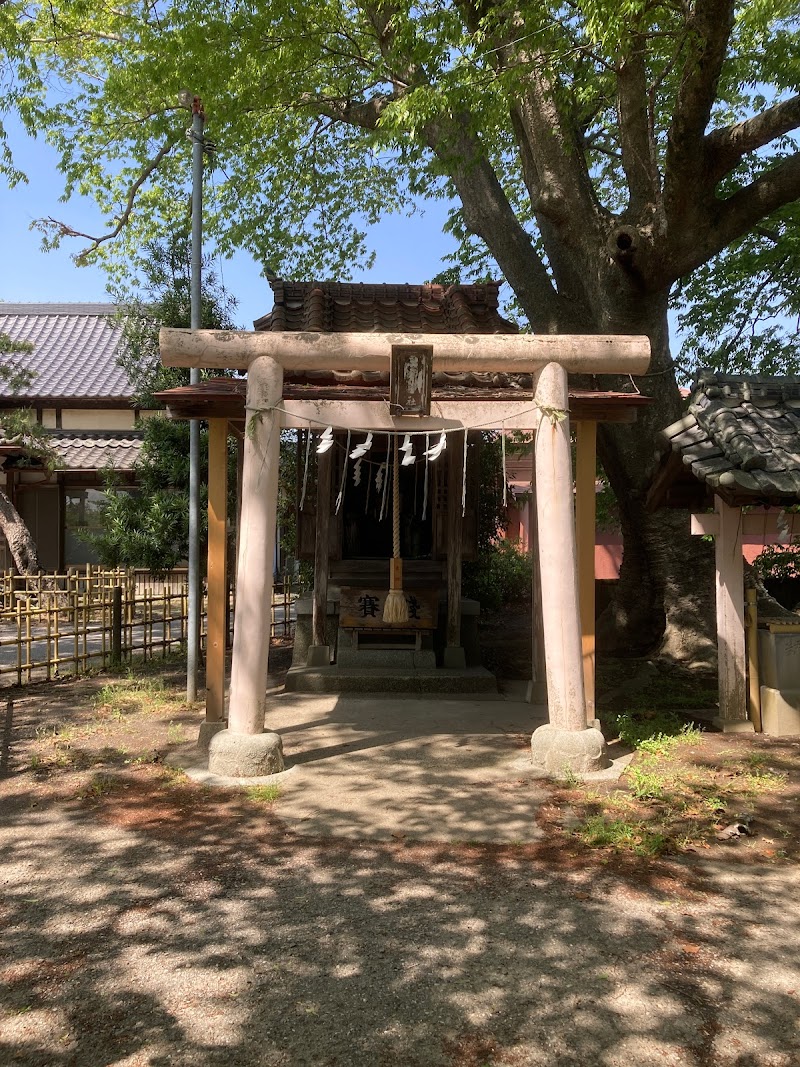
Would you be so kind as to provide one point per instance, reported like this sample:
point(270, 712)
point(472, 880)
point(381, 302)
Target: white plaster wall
point(97, 419)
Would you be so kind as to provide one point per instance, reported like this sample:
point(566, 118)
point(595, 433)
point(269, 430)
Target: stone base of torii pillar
point(245, 749)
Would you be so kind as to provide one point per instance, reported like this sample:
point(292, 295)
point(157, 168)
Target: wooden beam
point(753, 683)
point(454, 655)
point(206, 401)
point(321, 549)
point(297, 350)
point(375, 415)
point(217, 568)
point(730, 617)
point(585, 523)
point(756, 524)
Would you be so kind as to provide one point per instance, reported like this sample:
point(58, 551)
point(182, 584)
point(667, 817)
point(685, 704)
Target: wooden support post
point(217, 569)
point(454, 657)
point(537, 691)
point(585, 523)
point(753, 681)
point(555, 522)
point(256, 548)
point(730, 619)
point(319, 653)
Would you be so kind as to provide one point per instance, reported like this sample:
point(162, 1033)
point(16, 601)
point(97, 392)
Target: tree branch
point(489, 215)
point(710, 28)
point(63, 230)
point(365, 113)
point(725, 147)
point(737, 215)
point(636, 140)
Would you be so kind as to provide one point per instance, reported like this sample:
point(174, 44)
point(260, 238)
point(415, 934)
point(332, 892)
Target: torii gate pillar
point(245, 750)
point(565, 742)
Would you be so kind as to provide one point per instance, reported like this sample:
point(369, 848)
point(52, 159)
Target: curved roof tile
point(74, 354)
point(740, 438)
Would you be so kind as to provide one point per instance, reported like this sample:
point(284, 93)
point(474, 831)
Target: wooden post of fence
point(116, 626)
point(28, 641)
point(19, 641)
point(75, 626)
point(753, 682)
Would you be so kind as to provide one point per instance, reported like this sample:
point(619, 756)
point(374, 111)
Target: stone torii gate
point(245, 749)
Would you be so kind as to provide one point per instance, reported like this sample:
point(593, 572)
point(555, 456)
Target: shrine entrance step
point(337, 679)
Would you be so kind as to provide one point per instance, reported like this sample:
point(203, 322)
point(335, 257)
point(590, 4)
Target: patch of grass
point(657, 732)
point(622, 835)
point(754, 760)
point(57, 733)
point(646, 784)
point(133, 693)
point(678, 792)
point(176, 734)
point(174, 775)
point(100, 787)
point(263, 794)
point(763, 781)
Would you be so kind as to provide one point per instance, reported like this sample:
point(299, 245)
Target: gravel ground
point(145, 920)
point(159, 927)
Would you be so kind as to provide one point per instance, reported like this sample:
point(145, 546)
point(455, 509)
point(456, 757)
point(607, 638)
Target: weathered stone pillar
point(565, 743)
point(244, 749)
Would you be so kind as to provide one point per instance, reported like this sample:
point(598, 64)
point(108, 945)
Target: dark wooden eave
point(224, 398)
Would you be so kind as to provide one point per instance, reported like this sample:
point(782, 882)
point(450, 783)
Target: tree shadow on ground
point(158, 927)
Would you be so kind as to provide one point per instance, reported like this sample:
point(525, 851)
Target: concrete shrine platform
point(430, 681)
point(433, 768)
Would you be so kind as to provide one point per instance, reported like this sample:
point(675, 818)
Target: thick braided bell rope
point(395, 608)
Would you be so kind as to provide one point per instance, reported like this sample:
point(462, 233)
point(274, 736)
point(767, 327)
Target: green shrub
point(501, 573)
point(778, 562)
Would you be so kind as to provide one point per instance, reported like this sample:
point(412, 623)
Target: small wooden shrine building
point(734, 455)
point(372, 376)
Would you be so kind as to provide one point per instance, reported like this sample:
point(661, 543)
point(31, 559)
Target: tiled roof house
point(83, 398)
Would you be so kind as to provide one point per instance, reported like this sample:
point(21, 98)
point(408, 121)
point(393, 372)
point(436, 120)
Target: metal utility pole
point(193, 642)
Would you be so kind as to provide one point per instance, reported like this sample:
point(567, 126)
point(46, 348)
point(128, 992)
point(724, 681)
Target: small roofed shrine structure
point(731, 458)
point(389, 388)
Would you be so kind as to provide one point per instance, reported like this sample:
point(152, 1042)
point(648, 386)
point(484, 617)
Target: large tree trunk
point(665, 596)
point(20, 542)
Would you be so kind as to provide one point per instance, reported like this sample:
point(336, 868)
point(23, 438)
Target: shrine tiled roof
point(740, 438)
point(342, 307)
point(82, 450)
point(74, 355)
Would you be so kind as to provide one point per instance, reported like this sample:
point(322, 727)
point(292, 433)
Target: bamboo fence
point(52, 625)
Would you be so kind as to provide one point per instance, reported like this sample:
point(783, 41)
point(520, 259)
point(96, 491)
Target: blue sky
point(408, 249)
